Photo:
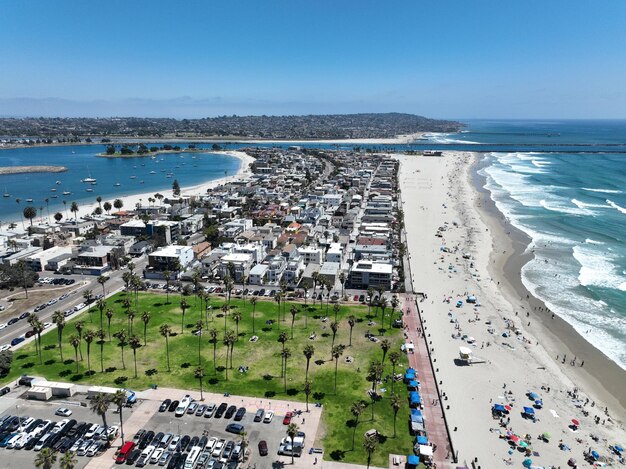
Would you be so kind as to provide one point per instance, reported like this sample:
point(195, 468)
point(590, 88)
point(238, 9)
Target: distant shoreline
point(154, 153)
point(31, 169)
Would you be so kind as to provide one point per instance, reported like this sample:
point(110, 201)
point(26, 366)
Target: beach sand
point(440, 192)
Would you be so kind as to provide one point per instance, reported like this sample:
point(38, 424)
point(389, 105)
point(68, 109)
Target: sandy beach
point(479, 255)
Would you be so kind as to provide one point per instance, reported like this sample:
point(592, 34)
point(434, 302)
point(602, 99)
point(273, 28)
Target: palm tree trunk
point(123, 364)
point(135, 360)
point(121, 425)
point(76, 353)
point(356, 424)
point(167, 352)
point(88, 358)
point(101, 355)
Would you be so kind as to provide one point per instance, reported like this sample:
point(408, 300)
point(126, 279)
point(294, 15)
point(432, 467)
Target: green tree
point(119, 399)
point(396, 403)
point(394, 304)
point(394, 358)
point(183, 306)
point(102, 279)
point(89, 338)
point(46, 458)
point(101, 305)
point(165, 330)
point(227, 342)
point(337, 352)
point(213, 339)
point(75, 342)
point(308, 352)
point(107, 207)
point(145, 318)
point(122, 338)
point(253, 303)
point(285, 355)
point(109, 315)
point(370, 444)
point(58, 217)
point(100, 336)
point(334, 327)
point(118, 204)
point(385, 345)
point(292, 432)
point(199, 327)
point(307, 388)
point(356, 410)
point(351, 323)
point(293, 310)
point(134, 342)
point(99, 404)
point(237, 317)
point(176, 188)
point(74, 210)
point(382, 303)
point(30, 213)
point(199, 374)
point(336, 310)
point(68, 460)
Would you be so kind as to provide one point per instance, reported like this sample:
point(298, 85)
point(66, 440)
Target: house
point(78, 229)
point(241, 264)
point(140, 248)
point(192, 224)
point(38, 261)
point(258, 274)
point(276, 266)
point(329, 271)
point(293, 271)
point(334, 253)
point(171, 258)
point(365, 274)
point(93, 260)
point(310, 254)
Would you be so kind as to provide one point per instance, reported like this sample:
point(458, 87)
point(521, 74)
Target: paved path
point(419, 360)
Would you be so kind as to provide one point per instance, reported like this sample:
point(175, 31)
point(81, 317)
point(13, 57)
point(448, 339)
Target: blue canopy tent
point(618, 449)
point(595, 455)
point(529, 411)
point(422, 440)
point(533, 396)
point(499, 408)
point(412, 460)
point(414, 384)
point(538, 403)
point(415, 398)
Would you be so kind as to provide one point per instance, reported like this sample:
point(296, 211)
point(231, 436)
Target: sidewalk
point(419, 360)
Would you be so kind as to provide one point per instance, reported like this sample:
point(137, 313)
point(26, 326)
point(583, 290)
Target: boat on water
point(6, 193)
point(93, 183)
point(88, 180)
point(117, 184)
point(54, 196)
point(152, 172)
point(169, 175)
point(29, 200)
point(133, 177)
point(141, 182)
point(58, 182)
point(66, 193)
point(54, 189)
point(89, 189)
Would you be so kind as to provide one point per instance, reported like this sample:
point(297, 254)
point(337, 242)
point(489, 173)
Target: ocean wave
point(444, 139)
point(564, 209)
point(584, 205)
point(615, 206)
point(596, 268)
point(605, 191)
point(592, 241)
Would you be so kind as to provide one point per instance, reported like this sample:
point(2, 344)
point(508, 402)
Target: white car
point(5, 347)
point(3, 325)
point(79, 306)
point(269, 415)
point(154, 459)
point(63, 412)
point(92, 431)
point(46, 325)
point(219, 446)
point(210, 445)
point(94, 448)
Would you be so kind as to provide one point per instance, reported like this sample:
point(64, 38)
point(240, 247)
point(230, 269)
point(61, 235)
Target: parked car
point(263, 448)
point(240, 414)
point(200, 411)
point(173, 406)
point(287, 419)
point(220, 410)
point(63, 412)
point(235, 428)
point(269, 415)
point(165, 405)
point(258, 417)
point(210, 410)
point(230, 412)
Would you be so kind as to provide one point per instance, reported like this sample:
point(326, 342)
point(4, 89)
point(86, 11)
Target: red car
point(356, 298)
point(287, 419)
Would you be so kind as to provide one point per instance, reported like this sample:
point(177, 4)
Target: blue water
point(573, 207)
point(188, 169)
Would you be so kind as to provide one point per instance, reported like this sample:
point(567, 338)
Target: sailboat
point(89, 179)
point(117, 184)
point(6, 193)
point(29, 200)
point(66, 192)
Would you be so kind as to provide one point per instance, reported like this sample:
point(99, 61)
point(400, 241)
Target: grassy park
point(337, 380)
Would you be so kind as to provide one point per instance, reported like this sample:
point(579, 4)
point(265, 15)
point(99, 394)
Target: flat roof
point(376, 267)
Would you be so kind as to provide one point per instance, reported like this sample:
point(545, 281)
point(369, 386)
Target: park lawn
point(263, 359)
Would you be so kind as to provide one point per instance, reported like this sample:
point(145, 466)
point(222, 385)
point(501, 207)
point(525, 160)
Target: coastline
point(131, 200)
point(31, 169)
point(557, 336)
point(439, 193)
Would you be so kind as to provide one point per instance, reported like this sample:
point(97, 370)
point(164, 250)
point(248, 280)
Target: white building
point(168, 258)
point(310, 254)
point(258, 274)
point(334, 253)
point(365, 274)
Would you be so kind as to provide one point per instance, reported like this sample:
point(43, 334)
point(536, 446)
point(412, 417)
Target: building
point(310, 254)
point(258, 274)
point(365, 274)
point(93, 260)
point(329, 271)
point(39, 261)
point(241, 264)
point(334, 253)
point(169, 258)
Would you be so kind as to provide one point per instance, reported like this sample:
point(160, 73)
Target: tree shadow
point(382, 330)
point(151, 372)
point(213, 381)
point(22, 356)
point(268, 377)
point(337, 455)
point(120, 380)
point(185, 365)
point(49, 362)
point(69, 361)
point(292, 391)
point(28, 365)
point(318, 396)
point(76, 377)
point(65, 373)
point(270, 394)
point(319, 362)
point(325, 334)
point(351, 423)
point(110, 369)
point(221, 368)
point(267, 329)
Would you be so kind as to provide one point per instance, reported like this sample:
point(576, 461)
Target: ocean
point(572, 204)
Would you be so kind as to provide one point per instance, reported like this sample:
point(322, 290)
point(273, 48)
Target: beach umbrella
point(546, 435)
point(618, 448)
point(529, 410)
point(527, 462)
point(508, 407)
point(422, 440)
point(595, 455)
point(523, 444)
point(514, 438)
point(532, 396)
point(571, 462)
point(576, 423)
point(498, 408)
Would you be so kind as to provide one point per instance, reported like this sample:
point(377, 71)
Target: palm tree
point(213, 339)
point(46, 458)
point(120, 399)
point(285, 355)
point(99, 200)
point(342, 280)
point(370, 444)
point(100, 335)
point(283, 338)
point(374, 374)
point(394, 358)
point(382, 303)
point(334, 326)
point(227, 341)
point(308, 352)
point(292, 432)
point(315, 276)
point(33, 322)
point(131, 319)
point(109, 315)
point(232, 339)
point(307, 391)
point(145, 318)
point(30, 213)
point(99, 404)
point(118, 204)
point(293, 310)
point(107, 207)
point(102, 279)
point(278, 298)
point(385, 345)
point(17, 201)
point(121, 336)
point(394, 304)
point(396, 403)
point(337, 352)
point(356, 409)
point(89, 338)
point(135, 343)
point(74, 210)
point(58, 217)
point(370, 294)
point(199, 374)
point(59, 320)
point(253, 303)
point(228, 285)
point(237, 317)
point(68, 460)
point(351, 323)
point(65, 207)
point(165, 330)
point(225, 312)
point(75, 342)
point(167, 274)
point(199, 326)
point(101, 304)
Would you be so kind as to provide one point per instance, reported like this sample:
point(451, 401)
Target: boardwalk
point(419, 360)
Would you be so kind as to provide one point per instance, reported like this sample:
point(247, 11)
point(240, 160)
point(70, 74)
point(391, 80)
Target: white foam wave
point(615, 206)
point(564, 209)
point(584, 205)
point(605, 191)
point(592, 241)
point(442, 138)
point(622, 286)
point(596, 268)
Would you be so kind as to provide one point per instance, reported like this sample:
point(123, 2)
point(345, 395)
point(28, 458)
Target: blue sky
point(449, 59)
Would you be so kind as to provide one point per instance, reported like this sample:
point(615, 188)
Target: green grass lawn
point(263, 358)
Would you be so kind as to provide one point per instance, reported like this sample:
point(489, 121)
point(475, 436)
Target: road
point(113, 285)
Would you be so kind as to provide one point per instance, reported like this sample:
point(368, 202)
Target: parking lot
point(12, 404)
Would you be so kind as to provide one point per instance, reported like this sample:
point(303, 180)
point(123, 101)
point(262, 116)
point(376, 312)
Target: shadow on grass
point(28, 365)
point(221, 368)
point(270, 394)
point(65, 373)
point(292, 391)
point(110, 369)
point(185, 365)
point(351, 423)
point(76, 377)
point(21, 356)
point(214, 381)
point(48, 362)
point(319, 362)
point(382, 330)
point(325, 334)
point(120, 380)
point(268, 377)
point(337, 455)
point(267, 329)
point(90, 373)
point(318, 396)
point(69, 361)
point(151, 372)
point(50, 347)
